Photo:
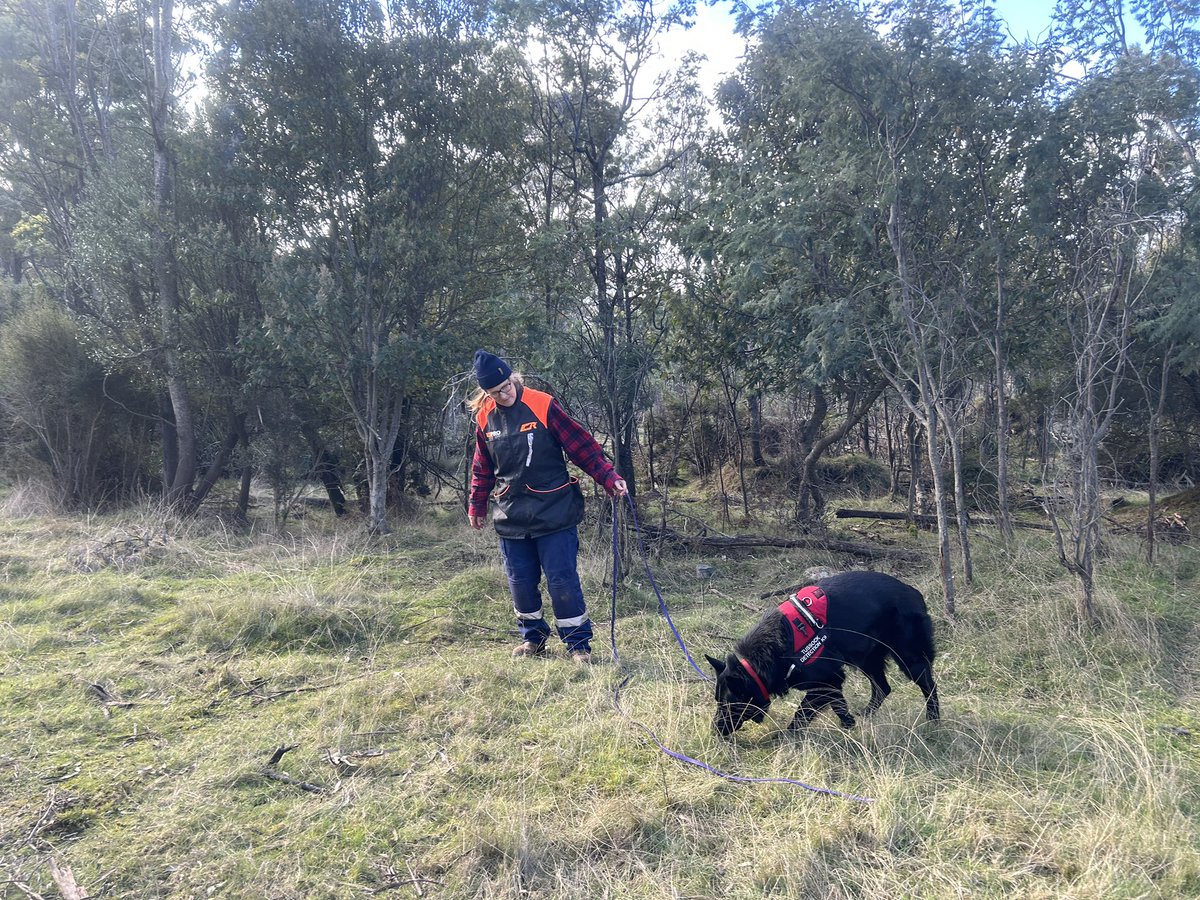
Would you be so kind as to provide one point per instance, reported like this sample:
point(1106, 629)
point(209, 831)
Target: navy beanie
point(490, 370)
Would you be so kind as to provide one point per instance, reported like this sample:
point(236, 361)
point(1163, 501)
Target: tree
point(863, 234)
point(1106, 205)
point(1114, 202)
point(78, 151)
point(89, 427)
point(384, 145)
point(604, 183)
point(784, 238)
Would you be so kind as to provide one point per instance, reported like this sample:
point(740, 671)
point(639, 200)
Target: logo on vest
point(529, 426)
point(492, 435)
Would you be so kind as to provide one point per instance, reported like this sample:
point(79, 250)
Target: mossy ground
point(140, 703)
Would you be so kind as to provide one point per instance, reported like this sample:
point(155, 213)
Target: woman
point(521, 436)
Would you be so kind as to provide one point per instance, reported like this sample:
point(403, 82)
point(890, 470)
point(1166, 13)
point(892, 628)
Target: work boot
point(528, 648)
point(581, 656)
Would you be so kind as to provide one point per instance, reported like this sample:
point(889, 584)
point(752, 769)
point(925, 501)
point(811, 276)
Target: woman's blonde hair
point(475, 401)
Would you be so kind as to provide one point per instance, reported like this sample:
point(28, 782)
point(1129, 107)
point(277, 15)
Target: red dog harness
point(805, 611)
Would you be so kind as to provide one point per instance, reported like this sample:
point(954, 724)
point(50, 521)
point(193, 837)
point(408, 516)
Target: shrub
point(861, 474)
point(69, 419)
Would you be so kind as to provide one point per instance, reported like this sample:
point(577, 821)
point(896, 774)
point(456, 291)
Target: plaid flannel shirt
point(579, 445)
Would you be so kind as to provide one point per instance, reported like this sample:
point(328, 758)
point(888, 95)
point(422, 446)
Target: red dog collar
point(758, 681)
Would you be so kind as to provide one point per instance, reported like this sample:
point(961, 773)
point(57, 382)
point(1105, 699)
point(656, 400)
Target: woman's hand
point(477, 522)
point(619, 488)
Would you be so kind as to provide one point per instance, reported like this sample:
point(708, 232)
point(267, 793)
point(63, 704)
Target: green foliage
point(364, 195)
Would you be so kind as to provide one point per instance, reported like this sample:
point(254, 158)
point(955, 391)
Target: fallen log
point(853, 548)
point(928, 520)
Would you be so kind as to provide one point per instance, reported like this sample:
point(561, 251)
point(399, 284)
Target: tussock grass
point(142, 699)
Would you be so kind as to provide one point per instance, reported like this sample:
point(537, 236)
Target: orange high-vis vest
point(534, 493)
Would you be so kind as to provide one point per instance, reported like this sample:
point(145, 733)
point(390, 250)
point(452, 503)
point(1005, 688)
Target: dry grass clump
point(28, 499)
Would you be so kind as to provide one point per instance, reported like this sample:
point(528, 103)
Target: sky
point(1025, 18)
point(713, 34)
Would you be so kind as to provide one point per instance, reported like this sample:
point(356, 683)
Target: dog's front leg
point(803, 715)
point(839, 706)
point(814, 701)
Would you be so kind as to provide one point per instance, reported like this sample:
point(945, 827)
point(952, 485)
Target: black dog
point(868, 616)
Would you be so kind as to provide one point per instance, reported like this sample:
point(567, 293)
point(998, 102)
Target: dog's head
point(738, 697)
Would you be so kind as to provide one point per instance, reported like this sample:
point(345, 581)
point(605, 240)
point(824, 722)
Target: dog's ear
point(718, 665)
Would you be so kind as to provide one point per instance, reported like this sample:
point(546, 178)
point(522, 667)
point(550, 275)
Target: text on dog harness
point(806, 611)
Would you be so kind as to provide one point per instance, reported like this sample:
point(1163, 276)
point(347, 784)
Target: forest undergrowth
point(190, 711)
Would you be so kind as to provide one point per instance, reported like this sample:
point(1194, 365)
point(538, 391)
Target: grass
point(1067, 763)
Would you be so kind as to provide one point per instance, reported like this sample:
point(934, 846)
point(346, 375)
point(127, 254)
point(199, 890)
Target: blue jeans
point(555, 555)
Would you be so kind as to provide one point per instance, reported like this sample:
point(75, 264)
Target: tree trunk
point(1003, 511)
point(808, 493)
point(169, 440)
point(379, 434)
point(754, 401)
point(914, 463)
point(673, 460)
point(1155, 426)
point(731, 400)
point(892, 455)
point(857, 407)
point(325, 464)
point(954, 439)
point(217, 466)
point(166, 267)
point(927, 401)
point(939, 500)
point(885, 516)
point(243, 500)
point(377, 480)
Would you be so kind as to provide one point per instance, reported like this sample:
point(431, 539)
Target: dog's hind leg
point(933, 707)
point(922, 676)
point(918, 666)
point(838, 705)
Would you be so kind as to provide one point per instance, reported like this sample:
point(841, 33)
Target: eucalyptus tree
point(1169, 333)
point(949, 133)
point(609, 135)
point(1102, 33)
point(91, 151)
point(1169, 112)
point(160, 86)
point(1124, 154)
point(384, 140)
point(855, 219)
point(1011, 85)
point(785, 238)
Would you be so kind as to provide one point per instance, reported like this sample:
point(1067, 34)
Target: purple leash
point(662, 605)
